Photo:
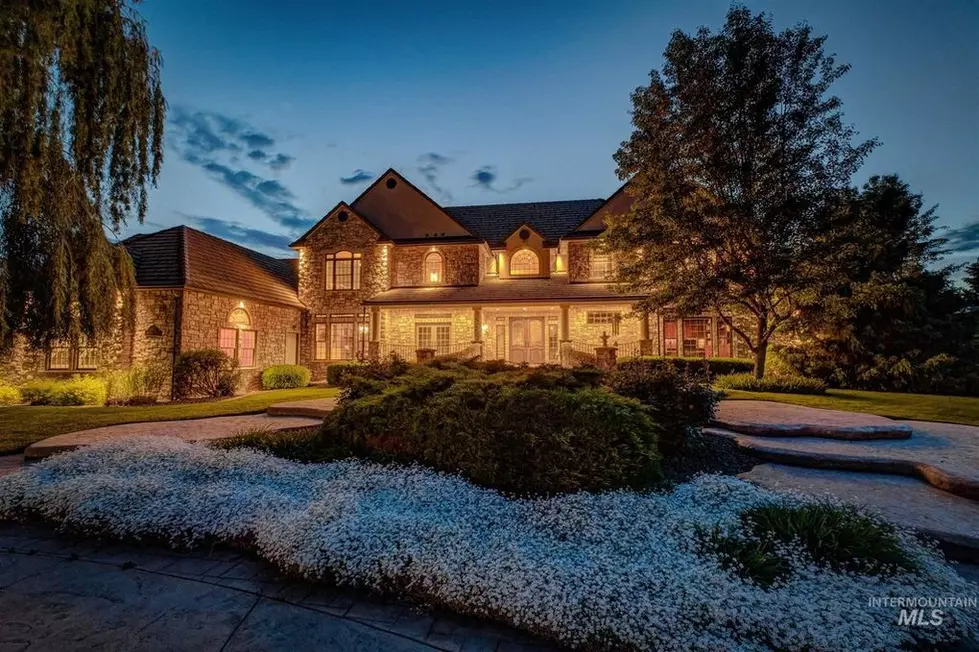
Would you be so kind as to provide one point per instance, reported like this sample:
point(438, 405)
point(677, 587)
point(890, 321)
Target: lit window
point(696, 337)
point(435, 336)
point(599, 266)
point(524, 263)
point(342, 271)
point(433, 268)
point(238, 344)
point(342, 339)
point(605, 317)
point(321, 343)
point(239, 317)
point(63, 356)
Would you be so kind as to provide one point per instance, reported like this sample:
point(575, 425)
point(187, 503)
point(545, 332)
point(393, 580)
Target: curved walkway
point(60, 593)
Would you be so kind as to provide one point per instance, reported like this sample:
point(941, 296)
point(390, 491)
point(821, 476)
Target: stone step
point(951, 520)
point(771, 419)
point(934, 465)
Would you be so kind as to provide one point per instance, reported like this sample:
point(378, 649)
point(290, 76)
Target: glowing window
point(599, 266)
point(343, 271)
point(524, 263)
point(433, 268)
point(239, 317)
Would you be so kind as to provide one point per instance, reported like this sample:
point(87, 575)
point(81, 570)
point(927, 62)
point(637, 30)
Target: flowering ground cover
point(616, 570)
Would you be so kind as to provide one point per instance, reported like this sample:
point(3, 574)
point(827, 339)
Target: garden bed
point(618, 570)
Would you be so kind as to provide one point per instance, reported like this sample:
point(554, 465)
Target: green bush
point(138, 385)
point(501, 430)
point(9, 395)
point(337, 370)
point(78, 390)
point(777, 384)
point(301, 445)
point(839, 537)
point(679, 400)
point(285, 376)
point(206, 372)
point(701, 367)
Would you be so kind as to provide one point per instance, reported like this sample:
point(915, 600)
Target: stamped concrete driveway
point(62, 594)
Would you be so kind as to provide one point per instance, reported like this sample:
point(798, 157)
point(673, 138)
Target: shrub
point(78, 390)
point(138, 385)
point(206, 372)
point(777, 384)
point(679, 400)
point(502, 430)
point(301, 444)
point(702, 367)
point(337, 370)
point(285, 376)
point(836, 536)
point(9, 395)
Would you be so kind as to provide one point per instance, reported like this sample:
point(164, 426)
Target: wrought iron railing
point(627, 349)
point(409, 351)
point(577, 353)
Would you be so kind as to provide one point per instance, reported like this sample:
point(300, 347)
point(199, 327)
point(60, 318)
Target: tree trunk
point(761, 352)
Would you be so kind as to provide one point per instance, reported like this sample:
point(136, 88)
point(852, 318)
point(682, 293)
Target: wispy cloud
point(272, 243)
point(358, 176)
point(964, 238)
point(212, 141)
point(486, 178)
point(429, 166)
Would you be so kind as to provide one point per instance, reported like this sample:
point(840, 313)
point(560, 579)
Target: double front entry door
point(527, 340)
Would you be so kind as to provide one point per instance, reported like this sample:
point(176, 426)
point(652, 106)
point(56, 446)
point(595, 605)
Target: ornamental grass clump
point(598, 571)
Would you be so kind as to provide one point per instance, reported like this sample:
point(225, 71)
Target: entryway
point(527, 340)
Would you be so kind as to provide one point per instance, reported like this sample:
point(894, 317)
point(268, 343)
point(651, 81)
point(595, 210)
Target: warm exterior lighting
point(485, 327)
point(558, 263)
point(241, 304)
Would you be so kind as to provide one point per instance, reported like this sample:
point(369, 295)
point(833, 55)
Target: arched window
point(343, 271)
point(239, 317)
point(434, 272)
point(524, 263)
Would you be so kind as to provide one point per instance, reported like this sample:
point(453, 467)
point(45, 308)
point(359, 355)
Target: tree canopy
point(738, 164)
point(81, 137)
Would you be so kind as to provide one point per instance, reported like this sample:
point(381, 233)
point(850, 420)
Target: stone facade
point(460, 264)
point(578, 262)
point(204, 314)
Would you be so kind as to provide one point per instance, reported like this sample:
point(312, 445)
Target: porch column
point(565, 327)
point(645, 343)
point(478, 329)
point(374, 346)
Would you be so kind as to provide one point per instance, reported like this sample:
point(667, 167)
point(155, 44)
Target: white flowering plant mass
point(616, 570)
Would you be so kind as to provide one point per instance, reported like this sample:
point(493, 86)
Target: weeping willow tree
point(81, 139)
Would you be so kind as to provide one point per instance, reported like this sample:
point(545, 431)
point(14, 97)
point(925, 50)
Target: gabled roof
point(341, 206)
point(185, 257)
point(551, 219)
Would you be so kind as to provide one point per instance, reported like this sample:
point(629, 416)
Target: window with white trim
point(342, 271)
point(434, 268)
point(599, 266)
point(524, 263)
point(604, 317)
point(321, 343)
point(434, 336)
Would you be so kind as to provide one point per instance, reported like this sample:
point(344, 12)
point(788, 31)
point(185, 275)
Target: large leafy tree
point(736, 165)
point(81, 133)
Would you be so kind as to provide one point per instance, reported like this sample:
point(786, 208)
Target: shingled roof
point(552, 219)
point(185, 257)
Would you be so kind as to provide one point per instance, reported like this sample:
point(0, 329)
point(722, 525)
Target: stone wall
point(578, 261)
point(399, 326)
point(153, 338)
point(354, 235)
point(582, 332)
point(204, 314)
point(461, 264)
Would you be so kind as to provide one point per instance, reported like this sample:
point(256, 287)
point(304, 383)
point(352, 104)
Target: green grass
point(22, 425)
point(922, 407)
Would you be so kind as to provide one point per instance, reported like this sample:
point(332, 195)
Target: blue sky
point(280, 110)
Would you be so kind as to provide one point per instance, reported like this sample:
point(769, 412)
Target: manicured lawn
point(923, 407)
point(21, 425)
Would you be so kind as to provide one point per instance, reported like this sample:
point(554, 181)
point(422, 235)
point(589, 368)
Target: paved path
point(189, 429)
point(768, 418)
point(316, 408)
point(63, 594)
point(951, 519)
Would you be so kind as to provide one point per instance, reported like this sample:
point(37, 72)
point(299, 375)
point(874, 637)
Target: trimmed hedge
point(530, 432)
point(77, 390)
point(679, 400)
point(205, 372)
point(335, 371)
point(703, 367)
point(9, 395)
point(776, 384)
point(285, 376)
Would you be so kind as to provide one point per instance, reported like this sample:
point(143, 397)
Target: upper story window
point(434, 268)
point(524, 263)
point(343, 271)
point(599, 266)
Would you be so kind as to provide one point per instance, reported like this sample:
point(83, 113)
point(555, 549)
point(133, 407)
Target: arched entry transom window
point(524, 263)
point(434, 268)
point(239, 317)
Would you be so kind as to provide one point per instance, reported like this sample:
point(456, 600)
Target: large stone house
point(391, 272)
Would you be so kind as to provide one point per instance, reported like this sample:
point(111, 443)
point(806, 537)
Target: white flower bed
point(617, 570)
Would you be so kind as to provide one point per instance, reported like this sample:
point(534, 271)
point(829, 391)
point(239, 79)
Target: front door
point(292, 347)
point(527, 340)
